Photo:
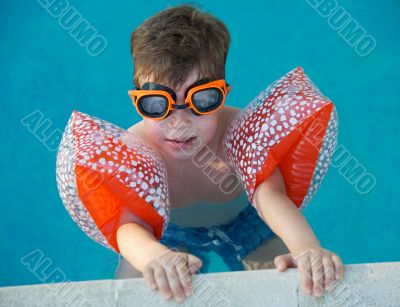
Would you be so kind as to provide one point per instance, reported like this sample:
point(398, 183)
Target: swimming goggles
point(157, 101)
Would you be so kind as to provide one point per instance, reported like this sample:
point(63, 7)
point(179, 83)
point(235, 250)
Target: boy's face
point(180, 125)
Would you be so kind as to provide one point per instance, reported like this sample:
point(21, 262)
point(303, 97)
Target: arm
point(281, 215)
point(318, 267)
point(162, 268)
point(136, 241)
point(138, 245)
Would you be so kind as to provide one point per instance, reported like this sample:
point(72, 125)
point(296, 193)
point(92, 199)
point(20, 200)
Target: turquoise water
point(44, 69)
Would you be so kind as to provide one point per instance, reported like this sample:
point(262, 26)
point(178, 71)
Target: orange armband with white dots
point(104, 172)
point(292, 125)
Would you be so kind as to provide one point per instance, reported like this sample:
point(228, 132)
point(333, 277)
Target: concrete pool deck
point(372, 284)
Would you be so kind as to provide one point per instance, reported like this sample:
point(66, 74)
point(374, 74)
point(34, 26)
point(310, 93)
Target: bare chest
point(209, 179)
point(212, 181)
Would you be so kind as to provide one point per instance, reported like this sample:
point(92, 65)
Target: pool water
point(47, 74)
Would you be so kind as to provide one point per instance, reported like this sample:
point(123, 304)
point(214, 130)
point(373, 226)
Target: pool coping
point(370, 284)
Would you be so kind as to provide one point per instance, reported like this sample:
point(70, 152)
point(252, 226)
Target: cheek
point(153, 131)
point(207, 127)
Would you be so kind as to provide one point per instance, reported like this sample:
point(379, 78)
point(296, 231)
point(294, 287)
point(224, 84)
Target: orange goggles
point(157, 101)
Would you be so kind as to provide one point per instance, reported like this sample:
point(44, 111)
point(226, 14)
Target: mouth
point(183, 140)
point(181, 143)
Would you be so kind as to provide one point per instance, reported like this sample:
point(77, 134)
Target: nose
point(179, 124)
point(181, 110)
point(180, 117)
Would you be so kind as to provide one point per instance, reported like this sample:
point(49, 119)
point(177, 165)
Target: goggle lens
point(207, 100)
point(153, 106)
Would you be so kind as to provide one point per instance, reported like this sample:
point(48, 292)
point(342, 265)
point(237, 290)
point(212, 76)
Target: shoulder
point(137, 129)
point(228, 115)
point(231, 112)
point(130, 136)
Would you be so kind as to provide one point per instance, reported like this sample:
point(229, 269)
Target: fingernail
point(326, 287)
point(179, 299)
point(188, 292)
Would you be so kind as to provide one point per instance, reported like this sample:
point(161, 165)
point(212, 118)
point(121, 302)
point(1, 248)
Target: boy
point(176, 50)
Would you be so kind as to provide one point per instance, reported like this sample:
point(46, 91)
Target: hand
point(170, 272)
point(319, 268)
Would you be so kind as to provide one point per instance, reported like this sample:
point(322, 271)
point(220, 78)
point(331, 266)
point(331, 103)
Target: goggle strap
point(180, 106)
point(199, 82)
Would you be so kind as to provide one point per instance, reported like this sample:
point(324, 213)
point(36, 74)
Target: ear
point(228, 89)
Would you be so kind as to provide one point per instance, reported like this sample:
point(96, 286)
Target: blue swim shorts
point(232, 241)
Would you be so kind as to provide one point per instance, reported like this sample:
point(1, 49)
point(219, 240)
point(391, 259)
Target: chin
point(179, 156)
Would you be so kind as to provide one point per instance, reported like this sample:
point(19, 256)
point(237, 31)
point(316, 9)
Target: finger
point(304, 267)
point(329, 272)
point(194, 263)
point(184, 276)
point(283, 262)
point(174, 283)
point(339, 267)
point(162, 282)
point(317, 269)
point(148, 275)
